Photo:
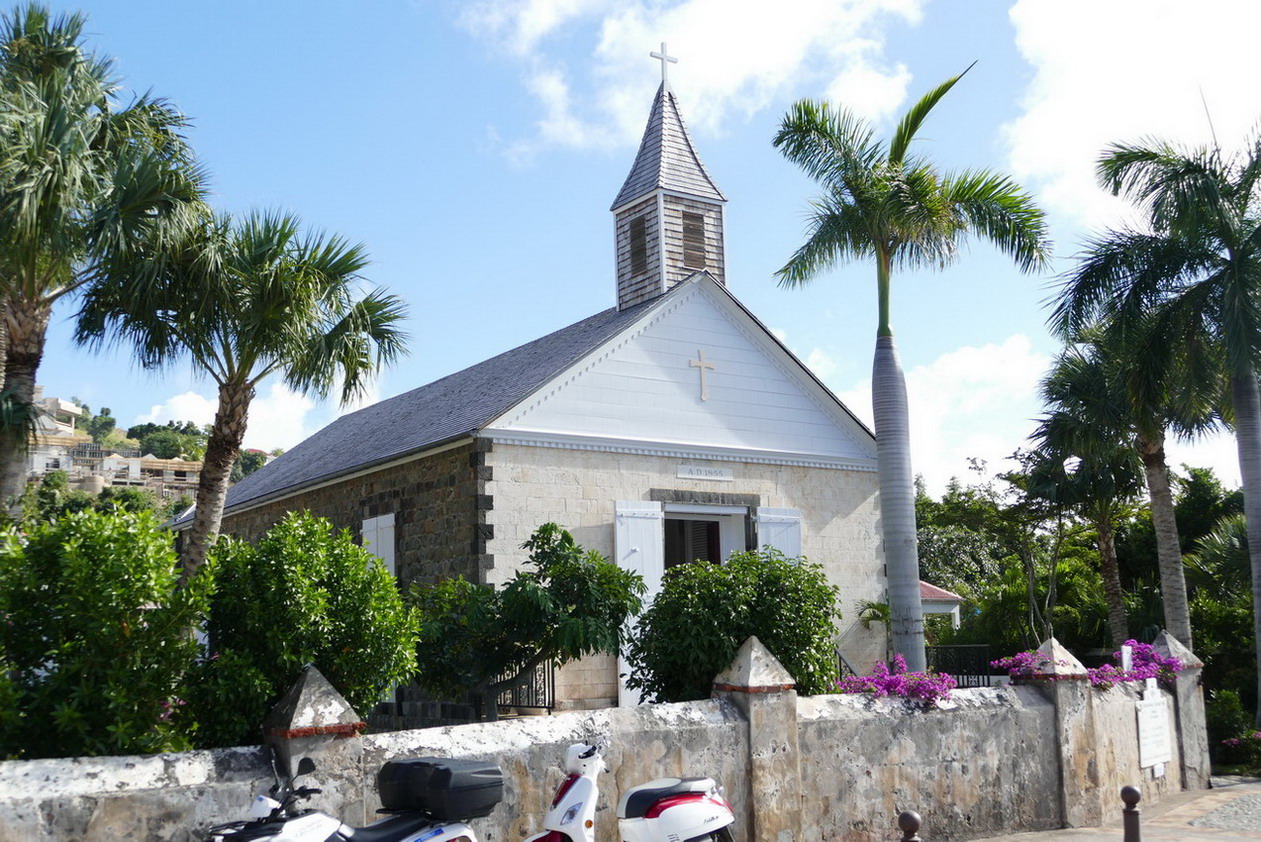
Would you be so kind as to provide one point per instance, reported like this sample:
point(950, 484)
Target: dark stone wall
point(439, 505)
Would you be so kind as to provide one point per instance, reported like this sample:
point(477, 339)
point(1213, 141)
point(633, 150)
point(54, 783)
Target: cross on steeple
point(665, 57)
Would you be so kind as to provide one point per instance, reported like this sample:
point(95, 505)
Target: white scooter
point(664, 810)
point(427, 798)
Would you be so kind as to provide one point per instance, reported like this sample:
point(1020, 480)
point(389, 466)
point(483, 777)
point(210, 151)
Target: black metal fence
point(412, 707)
point(970, 665)
point(539, 690)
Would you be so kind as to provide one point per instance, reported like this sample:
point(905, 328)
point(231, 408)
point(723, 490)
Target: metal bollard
point(909, 823)
point(1129, 816)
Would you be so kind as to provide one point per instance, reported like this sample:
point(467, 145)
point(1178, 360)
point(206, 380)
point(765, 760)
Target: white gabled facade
point(696, 376)
point(630, 451)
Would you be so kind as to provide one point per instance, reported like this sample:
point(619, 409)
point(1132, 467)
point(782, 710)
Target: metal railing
point(539, 690)
point(970, 665)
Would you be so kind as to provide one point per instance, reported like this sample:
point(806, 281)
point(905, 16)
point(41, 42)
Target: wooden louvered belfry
point(669, 213)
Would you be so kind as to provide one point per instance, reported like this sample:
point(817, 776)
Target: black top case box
point(448, 790)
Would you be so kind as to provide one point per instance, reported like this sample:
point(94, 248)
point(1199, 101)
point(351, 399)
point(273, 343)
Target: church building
point(671, 427)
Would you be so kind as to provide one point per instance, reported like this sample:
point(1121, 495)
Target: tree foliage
point(53, 497)
point(83, 178)
point(247, 462)
point(565, 604)
point(303, 594)
point(704, 612)
point(245, 299)
point(164, 444)
point(94, 643)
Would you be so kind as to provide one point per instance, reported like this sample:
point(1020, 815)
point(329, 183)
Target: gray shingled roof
point(443, 410)
point(666, 157)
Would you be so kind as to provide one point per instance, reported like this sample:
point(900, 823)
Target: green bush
point(567, 603)
point(704, 612)
point(95, 640)
point(304, 594)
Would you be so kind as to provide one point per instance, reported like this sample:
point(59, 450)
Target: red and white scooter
point(664, 810)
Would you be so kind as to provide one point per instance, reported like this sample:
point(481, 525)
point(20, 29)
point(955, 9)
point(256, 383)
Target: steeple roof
point(667, 158)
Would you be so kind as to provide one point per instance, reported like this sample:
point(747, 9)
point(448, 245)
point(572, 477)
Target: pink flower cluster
point(168, 709)
point(1019, 665)
point(926, 688)
point(1145, 663)
point(1255, 736)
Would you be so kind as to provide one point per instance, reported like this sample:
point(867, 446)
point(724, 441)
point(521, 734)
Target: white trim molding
point(672, 450)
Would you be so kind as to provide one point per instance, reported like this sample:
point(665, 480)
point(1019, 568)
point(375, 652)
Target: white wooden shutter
point(779, 528)
point(638, 545)
point(378, 539)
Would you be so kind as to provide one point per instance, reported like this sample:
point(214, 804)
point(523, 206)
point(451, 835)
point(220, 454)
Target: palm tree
point(880, 202)
point(245, 300)
point(1189, 279)
point(1088, 459)
point(1102, 398)
point(80, 180)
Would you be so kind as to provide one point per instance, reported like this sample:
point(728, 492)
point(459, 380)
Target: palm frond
point(832, 146)
point(836, 232)
point(914, 118)
point(998, 209)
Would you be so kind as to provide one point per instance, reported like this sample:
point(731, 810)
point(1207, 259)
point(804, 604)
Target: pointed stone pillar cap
point(754, 670)
point(1054, 661)
point(311, 707)
point(1169, 646)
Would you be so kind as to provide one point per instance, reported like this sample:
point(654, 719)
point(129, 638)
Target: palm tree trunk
point(26, 322)
point(1118, 619)
point(221, 451)
point(4, 337)
point(1173, 584)
point(1247, 406)
point(897, 503)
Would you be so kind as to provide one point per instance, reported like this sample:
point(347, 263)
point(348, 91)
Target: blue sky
point(474, 147)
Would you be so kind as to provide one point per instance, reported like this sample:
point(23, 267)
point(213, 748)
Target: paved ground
point(1231, 810)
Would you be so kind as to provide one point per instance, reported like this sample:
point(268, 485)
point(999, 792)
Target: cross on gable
point(702, 364)
point(664, 57)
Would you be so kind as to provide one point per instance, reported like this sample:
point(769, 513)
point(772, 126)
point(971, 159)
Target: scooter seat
point(637, 800)
point(398, 826)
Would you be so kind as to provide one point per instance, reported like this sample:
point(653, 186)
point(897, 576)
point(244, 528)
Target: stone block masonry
point(439, 505)
point(794, 769)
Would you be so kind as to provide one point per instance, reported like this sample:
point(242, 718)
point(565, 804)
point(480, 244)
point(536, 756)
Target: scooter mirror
point(305, 766)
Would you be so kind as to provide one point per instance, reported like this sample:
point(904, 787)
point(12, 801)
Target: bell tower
point(668, 218)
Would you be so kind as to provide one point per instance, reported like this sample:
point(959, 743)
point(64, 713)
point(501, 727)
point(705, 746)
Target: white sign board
point(705, 472)
point(1154, 745)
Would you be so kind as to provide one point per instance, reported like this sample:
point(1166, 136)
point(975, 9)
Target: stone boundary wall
point(1001, 760)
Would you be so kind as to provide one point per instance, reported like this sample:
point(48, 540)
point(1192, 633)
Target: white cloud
point(736, 57)
point(821, 363)
point(872, 92)
point(521, 24)
point(983, 403)
point(1217, 451)
point(968, 403)
point(1122, 71)
point(189, 406)
point(278, 417)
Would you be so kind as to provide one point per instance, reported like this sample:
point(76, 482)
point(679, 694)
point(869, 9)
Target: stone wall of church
point(578, 490)
point(438, 505)
point(996, 762)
